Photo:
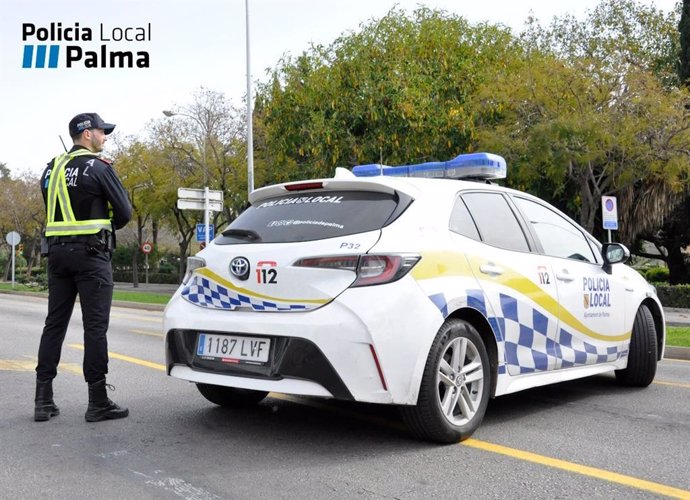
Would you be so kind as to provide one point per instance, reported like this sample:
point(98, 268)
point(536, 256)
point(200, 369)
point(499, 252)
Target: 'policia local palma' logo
point(42, 47)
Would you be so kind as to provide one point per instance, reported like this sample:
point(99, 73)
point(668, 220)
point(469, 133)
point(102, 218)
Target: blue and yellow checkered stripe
point(204, 292)
point(523, 334)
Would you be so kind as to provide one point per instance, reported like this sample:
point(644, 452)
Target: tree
point(590, 111)
point(200, 144)
point(684, 52)
point(4, 171)
point(400, 90)
point(22, 210)
point(674, 235)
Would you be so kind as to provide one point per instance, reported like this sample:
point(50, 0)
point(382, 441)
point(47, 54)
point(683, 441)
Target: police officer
point(85, 203)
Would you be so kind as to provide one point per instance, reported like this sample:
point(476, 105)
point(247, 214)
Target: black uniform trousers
point(73, 270)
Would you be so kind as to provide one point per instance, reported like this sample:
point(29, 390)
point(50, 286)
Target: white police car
point(387, 286)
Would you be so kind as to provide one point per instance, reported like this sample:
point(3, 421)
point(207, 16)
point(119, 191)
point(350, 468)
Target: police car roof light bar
point(465, 166)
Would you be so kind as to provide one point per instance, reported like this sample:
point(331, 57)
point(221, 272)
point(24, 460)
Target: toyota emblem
point(239, 267)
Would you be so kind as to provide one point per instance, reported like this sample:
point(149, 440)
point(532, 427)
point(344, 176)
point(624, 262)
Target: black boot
point(100, 407)
point(44, 404)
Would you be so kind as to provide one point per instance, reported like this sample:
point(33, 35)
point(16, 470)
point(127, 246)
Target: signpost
point(200, 199)
point(147, 248)
point(609, 214)
point(13, 238)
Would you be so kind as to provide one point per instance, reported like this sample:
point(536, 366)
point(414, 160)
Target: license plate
point(233, 348)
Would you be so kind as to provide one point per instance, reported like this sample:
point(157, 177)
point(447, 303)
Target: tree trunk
point(135, 268)
point(677, 270)
point(154, 232)
point(184, 245)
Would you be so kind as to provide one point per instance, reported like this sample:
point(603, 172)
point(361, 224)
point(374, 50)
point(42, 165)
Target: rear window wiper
point(247, 234)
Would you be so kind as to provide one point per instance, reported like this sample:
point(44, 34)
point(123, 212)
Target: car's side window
point(495, 221)
point(461, 221)
point(558, 236)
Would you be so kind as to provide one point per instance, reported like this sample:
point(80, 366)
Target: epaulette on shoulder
point(105, 160)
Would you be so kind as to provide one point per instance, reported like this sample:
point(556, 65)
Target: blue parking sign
point(201, 232)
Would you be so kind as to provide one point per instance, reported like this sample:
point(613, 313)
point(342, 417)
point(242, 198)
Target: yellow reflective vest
point(57, 192)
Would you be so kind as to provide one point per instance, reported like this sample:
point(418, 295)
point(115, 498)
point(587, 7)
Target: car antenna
point(63, 143)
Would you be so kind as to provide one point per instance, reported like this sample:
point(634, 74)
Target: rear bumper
point(290, 358)
point(369, 344)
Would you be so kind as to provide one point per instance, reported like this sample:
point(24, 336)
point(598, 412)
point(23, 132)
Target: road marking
point(147, 332)
point(137, 318)
point(674, 384)
point(29, 365)
point(16, 365)
point(614, 477)
point(129, 359)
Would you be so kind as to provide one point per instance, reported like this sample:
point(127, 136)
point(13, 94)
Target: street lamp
point(170, 114)
point(135, 255)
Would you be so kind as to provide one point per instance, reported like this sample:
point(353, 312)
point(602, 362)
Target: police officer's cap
point(85, 121)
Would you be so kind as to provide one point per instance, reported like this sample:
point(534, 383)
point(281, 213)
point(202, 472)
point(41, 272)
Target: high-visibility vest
point(57, 191)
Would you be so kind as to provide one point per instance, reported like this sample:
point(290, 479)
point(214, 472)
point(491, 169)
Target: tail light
point(192, 264)
point(370, 269)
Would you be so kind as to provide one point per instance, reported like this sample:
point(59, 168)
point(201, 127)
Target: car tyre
point(230, 397)
point(642, 353)
point(455, 387)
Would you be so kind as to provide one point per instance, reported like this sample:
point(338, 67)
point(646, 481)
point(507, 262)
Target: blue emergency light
point(467, 166)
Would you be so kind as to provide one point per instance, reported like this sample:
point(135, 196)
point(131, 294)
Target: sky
point(190, 44)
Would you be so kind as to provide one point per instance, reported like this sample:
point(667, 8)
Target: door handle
point(564, 275)
point(491, 269)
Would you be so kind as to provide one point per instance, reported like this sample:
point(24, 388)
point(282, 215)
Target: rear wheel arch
point(481, 324)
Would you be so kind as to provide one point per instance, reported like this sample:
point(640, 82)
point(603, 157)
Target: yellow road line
point(29, 365)
point(674, 384)
point(129, 359)
point(147, 332)
point(16, 365)
point(614, 477)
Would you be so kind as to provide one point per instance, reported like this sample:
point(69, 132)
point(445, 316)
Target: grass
point(678, 336)
point(142, 297)
point(129, 296)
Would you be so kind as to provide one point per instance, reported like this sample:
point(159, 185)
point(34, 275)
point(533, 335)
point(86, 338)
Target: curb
point(116, 303)
point(674, 352)
point(138, 305)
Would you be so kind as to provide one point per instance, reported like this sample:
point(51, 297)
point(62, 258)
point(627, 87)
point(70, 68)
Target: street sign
point(609, 212)
point(201, 233)
point(146, 247)
point(13, 238)
point(187, 204)
point(198, 194)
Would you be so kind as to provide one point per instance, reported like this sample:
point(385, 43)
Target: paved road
point(588, 438)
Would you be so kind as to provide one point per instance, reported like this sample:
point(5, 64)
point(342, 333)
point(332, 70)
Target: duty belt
point(79, 238)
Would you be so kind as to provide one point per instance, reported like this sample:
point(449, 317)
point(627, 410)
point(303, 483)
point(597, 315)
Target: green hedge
point(673, 295)
point(656, 274)
point(165, 278)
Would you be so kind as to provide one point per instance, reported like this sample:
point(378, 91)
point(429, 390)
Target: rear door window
point(496, 221)
point(307, 216)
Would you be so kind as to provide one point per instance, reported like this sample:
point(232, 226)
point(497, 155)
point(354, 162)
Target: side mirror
point(614, 253)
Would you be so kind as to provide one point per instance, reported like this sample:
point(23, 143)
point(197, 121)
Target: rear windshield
point(313, 216)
